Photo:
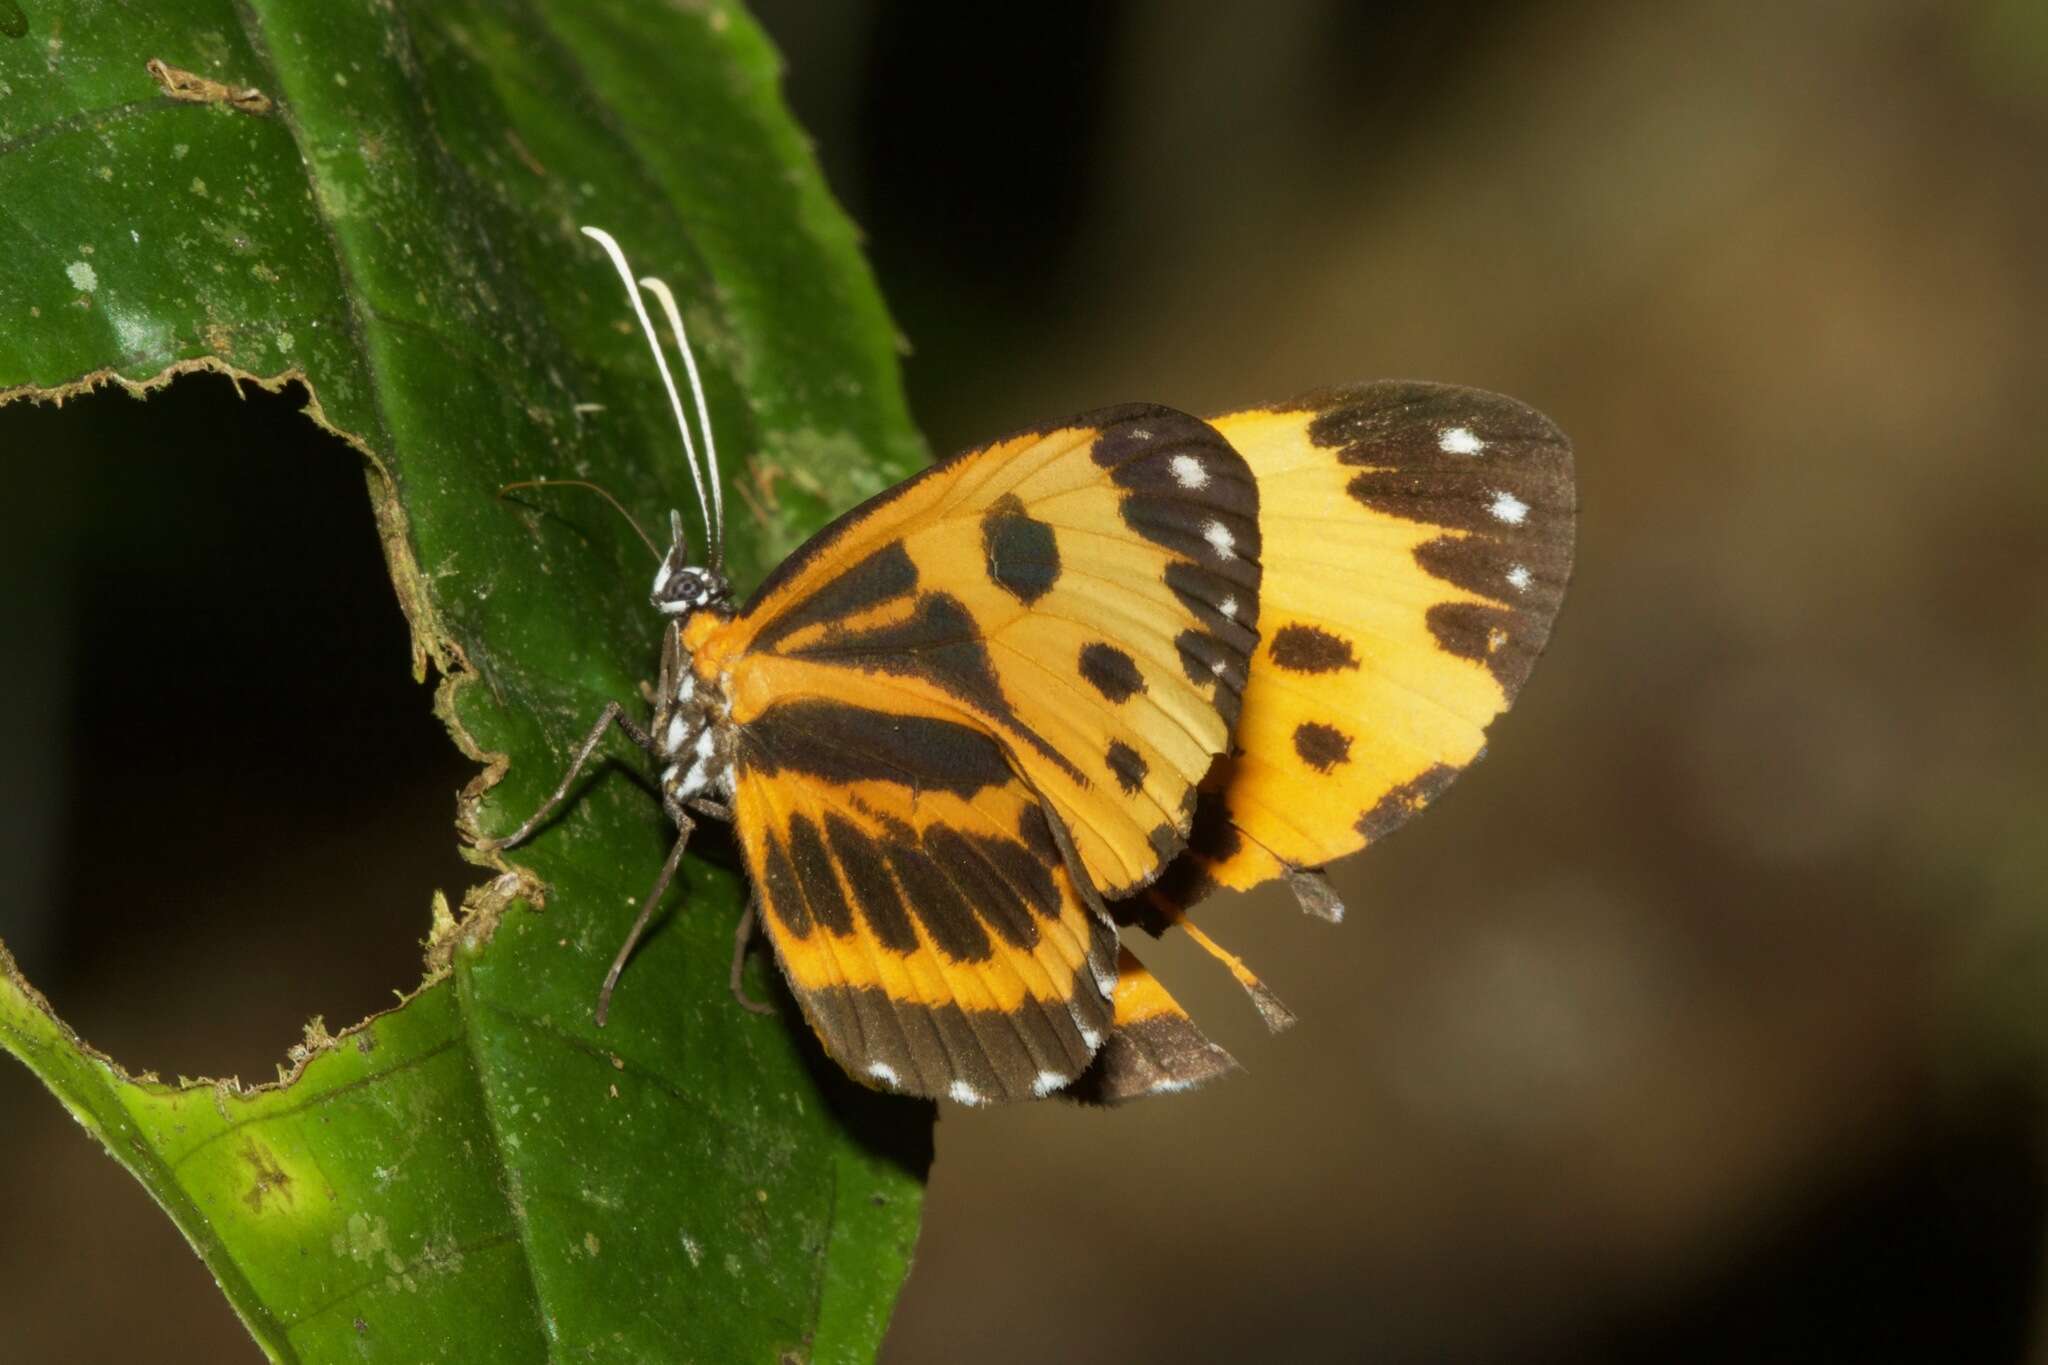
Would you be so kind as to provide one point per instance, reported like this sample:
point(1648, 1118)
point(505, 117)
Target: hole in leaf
point(230, 801)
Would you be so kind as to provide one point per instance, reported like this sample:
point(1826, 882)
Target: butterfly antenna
point(668, 379)
point(667, 300)
point(598, 489)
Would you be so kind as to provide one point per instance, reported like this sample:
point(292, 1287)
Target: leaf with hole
point(380, 203)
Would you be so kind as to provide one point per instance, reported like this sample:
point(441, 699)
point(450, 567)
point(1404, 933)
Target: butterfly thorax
point(692, 717)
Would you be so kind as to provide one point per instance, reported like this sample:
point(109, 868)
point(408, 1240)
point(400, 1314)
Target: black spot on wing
point(941, 643)
point(876, 512)
point(780, 886)
point(1022, 555)
point(1322, 747)
point(1225, 544)
point(841, 743)
point(1525, 582)
point(862, 859)
point(1206, 595)
point(881, 576)
point(1486, 635)
point(1026, 867)
point(1127, 765)
point(1206, 660)
point(1311, 649)
point(1529, 577)
point(1036, 832)
point(1112, 672)
point(819, 885)
point(1211, 664)
point(981, 870)
point(1396, 806)
point(936, 901)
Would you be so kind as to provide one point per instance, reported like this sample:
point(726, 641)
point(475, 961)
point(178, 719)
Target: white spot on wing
point(962, 1093)
point(1228, 607)
point(1046, 1083)
point(884, 1073)
point(1090, 1039)
point(1509, 509)
point(1519, 577)
point(1459, 441)
point(1220, 540)
point(1188, 472)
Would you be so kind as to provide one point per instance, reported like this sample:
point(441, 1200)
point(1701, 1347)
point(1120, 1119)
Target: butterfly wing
point(1418, 539)
point(966, 708)
point(1087, 594)
point(919, 901)
point(1156, 1048)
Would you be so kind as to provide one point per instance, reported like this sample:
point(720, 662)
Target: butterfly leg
point(613, 714)
point(742, 938)
point(684, 825)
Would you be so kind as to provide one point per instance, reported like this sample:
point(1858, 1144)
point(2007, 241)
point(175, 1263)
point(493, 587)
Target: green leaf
point(379, 201)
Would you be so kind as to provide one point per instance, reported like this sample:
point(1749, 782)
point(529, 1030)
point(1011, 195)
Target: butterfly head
point(682, 588)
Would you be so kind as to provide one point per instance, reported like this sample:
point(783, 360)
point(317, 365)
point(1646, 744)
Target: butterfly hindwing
point(1087, 595)
point(919, 903)
point(1418, 538)
point(1156, 1048)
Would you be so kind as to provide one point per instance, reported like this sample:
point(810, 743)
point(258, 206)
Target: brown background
point(1703, 1021)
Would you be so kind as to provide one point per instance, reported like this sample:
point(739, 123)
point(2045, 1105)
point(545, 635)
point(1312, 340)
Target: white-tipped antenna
point(705, 501)
point(667, 300)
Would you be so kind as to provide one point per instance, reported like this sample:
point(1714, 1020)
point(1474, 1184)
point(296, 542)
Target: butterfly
point(1070, 682)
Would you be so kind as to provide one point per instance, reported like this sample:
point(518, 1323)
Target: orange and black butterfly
point(1074, 680)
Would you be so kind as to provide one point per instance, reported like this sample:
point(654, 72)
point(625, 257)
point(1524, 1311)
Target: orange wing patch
point(1418, 541)
point(1087, 594)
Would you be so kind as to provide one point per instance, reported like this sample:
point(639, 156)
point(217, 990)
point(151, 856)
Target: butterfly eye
point(680, 588)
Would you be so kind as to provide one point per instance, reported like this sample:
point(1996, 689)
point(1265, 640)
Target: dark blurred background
point(1706, 1021)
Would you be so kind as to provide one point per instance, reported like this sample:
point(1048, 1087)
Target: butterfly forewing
point(1087, 594)
point(1048, 633)
point(1418, 539)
